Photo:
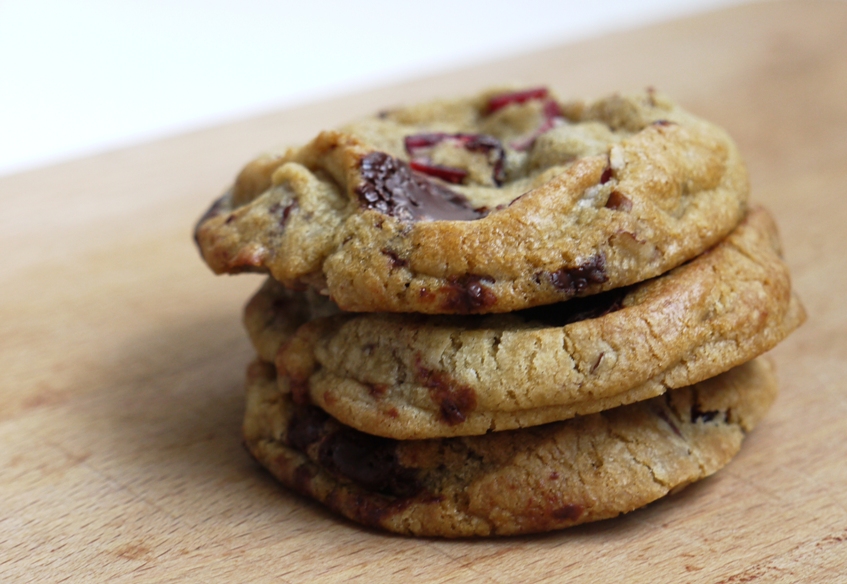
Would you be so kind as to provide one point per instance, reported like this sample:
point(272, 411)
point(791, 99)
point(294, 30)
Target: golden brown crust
point(522, 481)
point(613, 192)
point(412, 377)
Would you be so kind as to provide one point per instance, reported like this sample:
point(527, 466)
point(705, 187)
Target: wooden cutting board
point(122, 357)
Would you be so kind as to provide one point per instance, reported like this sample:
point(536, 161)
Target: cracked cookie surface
point(500, 202)
point(521, 481)
point(416, 376)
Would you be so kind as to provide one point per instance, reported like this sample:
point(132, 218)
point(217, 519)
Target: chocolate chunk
point(377, 390)
point(368, 460)
point(572, 281)
point(454, 401)
point(607, 175)
point(305, 427)
point(367, 509)
point(468, 293)
point(396, 260)
point(577, 309)
point(300, 391)
point(619, 202)
point(283, 212)
point(216, 209)
point(706, 416)
point(389, 186)
point(303, 477)
point(570, 512)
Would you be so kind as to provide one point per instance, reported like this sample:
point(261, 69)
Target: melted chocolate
point(368, 460)
point(306, 428)
point(389, 186)
point(577, 309)
point(570, 512)
point(454, 401)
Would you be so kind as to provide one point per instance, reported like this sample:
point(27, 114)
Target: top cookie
point(499, 202)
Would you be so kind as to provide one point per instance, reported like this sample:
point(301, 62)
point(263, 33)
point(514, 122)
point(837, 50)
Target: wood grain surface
point(122, 357)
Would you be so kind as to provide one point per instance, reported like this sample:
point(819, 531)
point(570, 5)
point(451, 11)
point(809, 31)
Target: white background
point(85, 76)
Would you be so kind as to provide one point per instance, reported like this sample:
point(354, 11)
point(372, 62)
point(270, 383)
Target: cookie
point(414, 376)
point(521, 481)
point(490, 204)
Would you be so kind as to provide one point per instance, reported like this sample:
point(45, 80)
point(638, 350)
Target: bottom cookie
point(519, 481)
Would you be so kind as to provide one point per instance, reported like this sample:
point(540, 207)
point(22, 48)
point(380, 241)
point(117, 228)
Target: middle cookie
point(415, 376)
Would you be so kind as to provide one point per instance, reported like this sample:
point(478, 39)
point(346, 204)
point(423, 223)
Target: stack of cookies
point(503, 314)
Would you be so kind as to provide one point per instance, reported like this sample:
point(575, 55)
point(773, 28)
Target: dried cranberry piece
point(501, 100)
point(425, 140)
point(445, 173)
point(483, 143)
point(552, 112)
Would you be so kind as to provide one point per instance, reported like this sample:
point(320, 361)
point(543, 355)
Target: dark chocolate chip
point(283, 212)
point(467, 293)
point(396, 260)
point(389, 186)
point(213, 211)
point(607, 175)
point(574, 280)
point(706, 416)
